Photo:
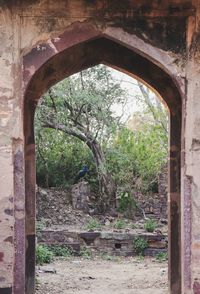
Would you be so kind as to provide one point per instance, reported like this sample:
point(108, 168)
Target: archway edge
point(46, 65)
point(80, 32)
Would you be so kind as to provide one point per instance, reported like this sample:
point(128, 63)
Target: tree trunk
point(106, 183)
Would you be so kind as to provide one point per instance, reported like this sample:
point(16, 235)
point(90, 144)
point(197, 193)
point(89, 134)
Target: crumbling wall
point(10, 149)
point(191, 163)
point(114, 243)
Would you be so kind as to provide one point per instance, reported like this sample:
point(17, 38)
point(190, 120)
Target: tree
point(81, 106)
point(148, 139)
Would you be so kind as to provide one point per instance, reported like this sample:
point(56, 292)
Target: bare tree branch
point(145, 95)
point(65, 130)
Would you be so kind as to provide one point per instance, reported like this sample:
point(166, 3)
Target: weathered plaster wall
point(161, 30)
point(191, 165)
point(7, 122)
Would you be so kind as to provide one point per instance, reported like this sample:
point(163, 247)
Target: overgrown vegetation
point(120, 224)
point(93, 224)
point(43, 254)
point(86, 252)
point(58, 250)
point(126, 202)
point(139, 245)
point(76, 125)
point(161, 256)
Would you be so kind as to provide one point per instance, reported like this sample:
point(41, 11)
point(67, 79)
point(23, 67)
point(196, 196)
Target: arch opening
point(72, 60)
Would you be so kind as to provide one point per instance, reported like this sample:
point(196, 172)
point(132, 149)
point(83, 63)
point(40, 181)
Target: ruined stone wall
point(166, 32)
point(155, 205)
point(114, 243)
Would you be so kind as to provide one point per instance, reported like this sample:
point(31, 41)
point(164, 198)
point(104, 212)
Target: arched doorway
point(50, 64)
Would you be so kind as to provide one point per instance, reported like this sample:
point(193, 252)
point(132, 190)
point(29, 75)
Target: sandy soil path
point(124, 276)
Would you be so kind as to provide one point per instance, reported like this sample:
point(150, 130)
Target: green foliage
point(64, 157)
point(39, 226)
point(86, 252)
point(93, 224)
point(139, 245)
point(61, 250)
point(126, 201)
point(43, 255)
point(134, 152)
point(150, 225)
point(81, 105)
point(161, 256)
point(136, 158)
point(120, 224)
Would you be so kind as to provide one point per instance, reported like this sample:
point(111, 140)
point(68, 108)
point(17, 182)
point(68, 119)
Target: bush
point(161, 256)
point(150, 225)
point(139, 245)
point(43, 255)
point(61, 250)
point(120, 224)
point(93, 224)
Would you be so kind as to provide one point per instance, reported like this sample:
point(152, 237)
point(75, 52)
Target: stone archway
point(75, 50)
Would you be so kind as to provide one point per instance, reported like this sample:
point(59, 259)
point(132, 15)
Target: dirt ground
point(100, 276)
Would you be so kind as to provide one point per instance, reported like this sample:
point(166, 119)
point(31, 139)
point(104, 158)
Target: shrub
point(120, 224)
point(61, 250)
point(93, 224)
point(86, 252)
point(150, 225)
point(161, 256)
point(126, 201)
point(139, 245)
point(43, 254)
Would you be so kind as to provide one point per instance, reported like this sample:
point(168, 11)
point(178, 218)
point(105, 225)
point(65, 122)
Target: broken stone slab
point(157, 244)
point(45, 269)
point(116, 236)
point(89, 237)
point(154, 251)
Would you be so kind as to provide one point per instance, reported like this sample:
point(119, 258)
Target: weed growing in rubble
point(61, 250)
point(120, 224)
point(161, 256)
point(93, 224)
point(139, 245)
point(40, 226)
point(150, 225)
point(43, 254)
point(86, 252)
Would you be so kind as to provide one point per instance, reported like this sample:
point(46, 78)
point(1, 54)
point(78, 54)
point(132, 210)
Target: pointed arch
point(78, 49)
